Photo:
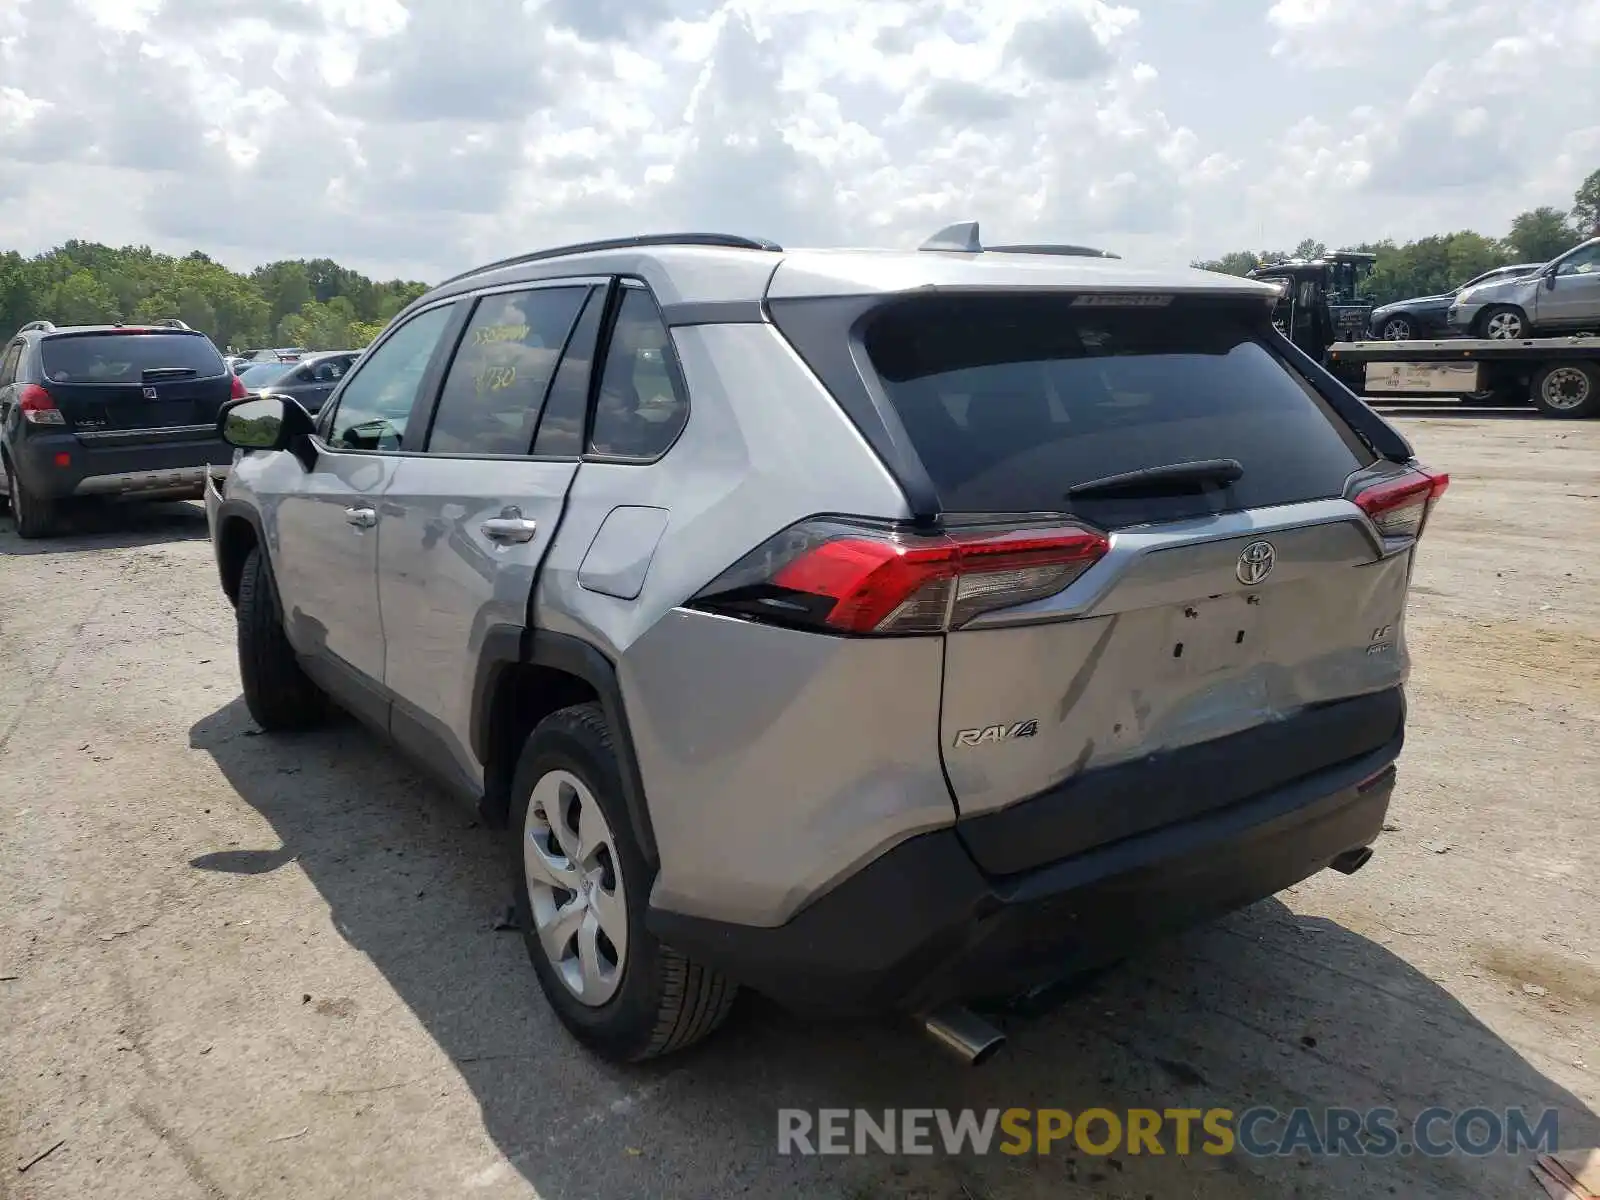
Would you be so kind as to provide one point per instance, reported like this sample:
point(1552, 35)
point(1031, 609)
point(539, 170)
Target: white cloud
point(422, 136)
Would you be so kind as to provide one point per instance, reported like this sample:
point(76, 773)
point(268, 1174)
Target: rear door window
point(496, 386)
point(1010, 401)
point(101, 358)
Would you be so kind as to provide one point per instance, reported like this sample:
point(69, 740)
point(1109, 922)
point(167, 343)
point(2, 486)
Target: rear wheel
point(1568, 390)
point(580, 886)
point(276, 690)
point(1503, 324)
point(33, 515)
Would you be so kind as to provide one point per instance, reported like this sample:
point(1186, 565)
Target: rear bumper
point(922, 925)
point(169, 469)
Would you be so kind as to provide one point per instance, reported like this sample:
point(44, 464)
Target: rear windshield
point(263, 374)
point(1010, 401)
point(128, 357)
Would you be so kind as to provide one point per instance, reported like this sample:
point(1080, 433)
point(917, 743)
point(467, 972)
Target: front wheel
point(580, 886)
point(1503, 324)
point(1567, 390)
point(276, 691)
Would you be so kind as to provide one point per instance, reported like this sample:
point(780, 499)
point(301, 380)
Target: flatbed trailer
point(1559, 376)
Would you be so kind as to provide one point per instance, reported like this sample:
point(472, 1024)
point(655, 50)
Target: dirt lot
point(234, 965)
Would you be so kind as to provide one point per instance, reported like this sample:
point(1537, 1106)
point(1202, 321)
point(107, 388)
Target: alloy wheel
point(1504, 327)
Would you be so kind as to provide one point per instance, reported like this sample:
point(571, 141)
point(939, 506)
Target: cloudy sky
point(422, 136)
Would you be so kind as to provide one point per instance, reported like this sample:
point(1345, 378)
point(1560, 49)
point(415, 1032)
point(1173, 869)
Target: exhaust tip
point(964, 1034)
point(1352, 861)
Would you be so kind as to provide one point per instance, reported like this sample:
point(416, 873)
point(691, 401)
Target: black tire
point(276, 690)
point(664, 1002)
point(1399, 327)
point(34, 516)
point(1568, 391)
point(1498, 321)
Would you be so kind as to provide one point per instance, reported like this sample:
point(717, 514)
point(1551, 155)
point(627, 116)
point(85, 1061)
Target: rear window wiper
point(149, 372)
point(1173, 477)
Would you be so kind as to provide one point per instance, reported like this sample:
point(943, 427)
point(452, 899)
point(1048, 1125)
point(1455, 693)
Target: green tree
point(1238, 262)
point(1310, 248)
point(1586, 206)
point(1541, 234)
point(81, 299)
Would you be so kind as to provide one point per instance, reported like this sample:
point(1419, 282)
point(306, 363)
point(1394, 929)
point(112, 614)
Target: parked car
point(108, 410)
point(310, 381)
point(882, 631)
point(281, 354)
point(1563, 297)
point(1428, 316)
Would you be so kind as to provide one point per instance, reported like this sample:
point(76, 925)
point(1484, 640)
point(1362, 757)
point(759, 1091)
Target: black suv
point(108, 410)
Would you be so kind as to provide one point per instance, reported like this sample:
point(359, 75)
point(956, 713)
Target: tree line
point(320, 305)
point(1435, 264)
point(313, 303)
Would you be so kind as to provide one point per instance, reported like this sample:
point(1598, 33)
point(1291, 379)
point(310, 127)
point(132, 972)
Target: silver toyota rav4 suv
point(879, 630)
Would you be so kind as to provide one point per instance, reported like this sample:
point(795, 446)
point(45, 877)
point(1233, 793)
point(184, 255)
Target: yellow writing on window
point(495, 379)
point(499, 333)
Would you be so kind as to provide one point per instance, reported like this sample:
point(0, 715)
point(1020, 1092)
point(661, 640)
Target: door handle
point(361, 518)
point(511, 527)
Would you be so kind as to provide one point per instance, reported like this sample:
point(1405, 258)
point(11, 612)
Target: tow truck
point(1559, 376)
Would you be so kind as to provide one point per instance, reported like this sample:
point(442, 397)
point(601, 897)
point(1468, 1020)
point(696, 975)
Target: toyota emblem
point(1255, 564)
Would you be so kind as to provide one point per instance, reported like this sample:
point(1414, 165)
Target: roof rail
point(168, 323)
point(1065, 248)
point(731, 241)
point(45, 326)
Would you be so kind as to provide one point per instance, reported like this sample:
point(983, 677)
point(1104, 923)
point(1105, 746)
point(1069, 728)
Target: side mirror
point(1550, 278)
point(266, 423)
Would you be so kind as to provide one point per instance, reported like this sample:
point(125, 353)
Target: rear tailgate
point(1237, 635)
point(136, 386)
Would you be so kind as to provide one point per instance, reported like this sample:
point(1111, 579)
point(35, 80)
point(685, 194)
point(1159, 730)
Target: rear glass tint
point(125, 357)
point(1010, 401)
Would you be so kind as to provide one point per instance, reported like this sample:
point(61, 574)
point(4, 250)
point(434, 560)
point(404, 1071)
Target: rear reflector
point(852, 577)
point(63, 459)
point(37, 406)
point(1399, 507)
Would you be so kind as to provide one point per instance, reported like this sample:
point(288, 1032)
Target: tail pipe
point(964, 1033)
point(1352, 861)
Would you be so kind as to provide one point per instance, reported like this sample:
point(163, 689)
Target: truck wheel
point(276, 690)
point(580, 886)
point(33, 515)
point(1568, 390)
point(1502, 323)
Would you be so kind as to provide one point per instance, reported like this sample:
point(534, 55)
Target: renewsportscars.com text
point(1257, 1132)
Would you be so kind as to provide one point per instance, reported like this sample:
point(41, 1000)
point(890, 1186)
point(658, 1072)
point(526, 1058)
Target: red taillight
point(858, 578)
point(239, 389)
point(38, 407)
point(1399, 507)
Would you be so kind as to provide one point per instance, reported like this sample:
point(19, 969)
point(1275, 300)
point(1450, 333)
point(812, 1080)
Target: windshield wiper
point(150, 371)
point(1172, 478)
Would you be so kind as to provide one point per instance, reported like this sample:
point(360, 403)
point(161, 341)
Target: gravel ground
point(235, 965)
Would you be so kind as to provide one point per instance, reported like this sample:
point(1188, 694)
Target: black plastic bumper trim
point(922, 925)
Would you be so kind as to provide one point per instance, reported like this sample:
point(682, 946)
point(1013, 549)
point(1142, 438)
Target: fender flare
point(505, 646)
point(227, 512)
